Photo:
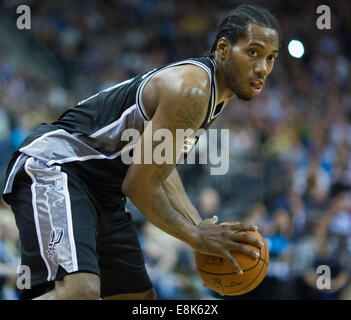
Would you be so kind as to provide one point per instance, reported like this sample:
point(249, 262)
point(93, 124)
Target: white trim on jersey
point(106, 90)
point(96, 134)
point(18, 163)
point(139, 101)
point(38, 139)
point(113, 124)
point(215, 95)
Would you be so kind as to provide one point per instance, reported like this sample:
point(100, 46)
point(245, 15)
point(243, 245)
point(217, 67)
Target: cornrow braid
point(233, 27)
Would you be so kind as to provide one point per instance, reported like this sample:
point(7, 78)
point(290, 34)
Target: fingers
point(233, 262)
point(240, 233)
point(214, 219)
point(240, 226)
point(221, 239)
point(239, 247)
point(209, 221)
point(239, 242)
point(247, 239)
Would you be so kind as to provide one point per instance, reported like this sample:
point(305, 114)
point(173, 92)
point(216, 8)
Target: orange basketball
point(221, 277)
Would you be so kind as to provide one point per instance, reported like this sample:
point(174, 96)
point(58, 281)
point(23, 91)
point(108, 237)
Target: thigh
point(145, 295)
point(121, 260)
point(56, 222)
point(75, 286)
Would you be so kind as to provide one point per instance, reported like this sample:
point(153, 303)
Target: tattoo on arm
point(188, 116)
point(191, 115)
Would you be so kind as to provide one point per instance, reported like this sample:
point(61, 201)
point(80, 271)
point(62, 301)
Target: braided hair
point(233, 27)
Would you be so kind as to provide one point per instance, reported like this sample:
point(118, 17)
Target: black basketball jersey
point(88, 136)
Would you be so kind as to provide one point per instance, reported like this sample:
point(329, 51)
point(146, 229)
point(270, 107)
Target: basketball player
point(67, 184)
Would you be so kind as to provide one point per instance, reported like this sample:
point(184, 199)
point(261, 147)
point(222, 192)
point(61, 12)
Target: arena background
point(290, 161)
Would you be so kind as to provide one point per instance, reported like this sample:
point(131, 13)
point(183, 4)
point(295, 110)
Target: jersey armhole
point(148, 76)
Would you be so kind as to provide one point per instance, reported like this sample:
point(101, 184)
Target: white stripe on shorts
point(52, 216)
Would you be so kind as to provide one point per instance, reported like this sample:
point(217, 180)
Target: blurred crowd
point(290, 147)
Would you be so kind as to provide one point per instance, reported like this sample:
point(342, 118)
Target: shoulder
point(184, 84)
point(177, 80)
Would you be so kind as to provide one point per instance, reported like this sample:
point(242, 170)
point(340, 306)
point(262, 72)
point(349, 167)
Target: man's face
point(248, 63)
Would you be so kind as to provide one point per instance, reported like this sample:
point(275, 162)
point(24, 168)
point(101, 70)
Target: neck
point(224, 92)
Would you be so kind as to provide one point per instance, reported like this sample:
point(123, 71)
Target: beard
point(236, 85)
point(235, 80)
point(242, 96)
point(240, 93)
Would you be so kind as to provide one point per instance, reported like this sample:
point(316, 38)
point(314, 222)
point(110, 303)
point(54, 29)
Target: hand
point(220, 239)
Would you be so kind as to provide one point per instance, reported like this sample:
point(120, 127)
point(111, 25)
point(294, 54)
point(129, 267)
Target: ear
point(223, 46)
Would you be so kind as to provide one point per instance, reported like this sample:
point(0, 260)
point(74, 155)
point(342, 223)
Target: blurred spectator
point(299, 216)
point(9, 259)
point(280, 250)
point(305, 252)
point(259, 216)
point(334, 260)
point(312, 180)
point(210, 203)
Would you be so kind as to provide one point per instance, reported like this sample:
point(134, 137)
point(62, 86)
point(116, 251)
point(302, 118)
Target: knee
point(145, 295)
point(82, 287)
point(87, 292)
point(149, 295)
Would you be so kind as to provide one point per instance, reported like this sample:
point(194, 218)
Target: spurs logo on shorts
point(54, 241)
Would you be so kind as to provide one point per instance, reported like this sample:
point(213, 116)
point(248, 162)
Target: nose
point(261, 68)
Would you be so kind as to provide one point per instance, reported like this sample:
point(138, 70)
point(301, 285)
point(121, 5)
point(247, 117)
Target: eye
point(271, 58)
point(253, 53)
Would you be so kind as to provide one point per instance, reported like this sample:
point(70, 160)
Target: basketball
point(221, 277)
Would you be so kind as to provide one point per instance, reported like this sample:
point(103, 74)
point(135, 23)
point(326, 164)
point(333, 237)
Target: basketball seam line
point(249, 284)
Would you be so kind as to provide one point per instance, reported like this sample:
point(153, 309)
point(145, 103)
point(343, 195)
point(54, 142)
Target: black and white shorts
point(64, 230)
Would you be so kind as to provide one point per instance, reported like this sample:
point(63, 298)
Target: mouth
point(257, 86)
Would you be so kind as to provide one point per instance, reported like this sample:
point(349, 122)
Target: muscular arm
point(181, 104)
point(179, 199)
